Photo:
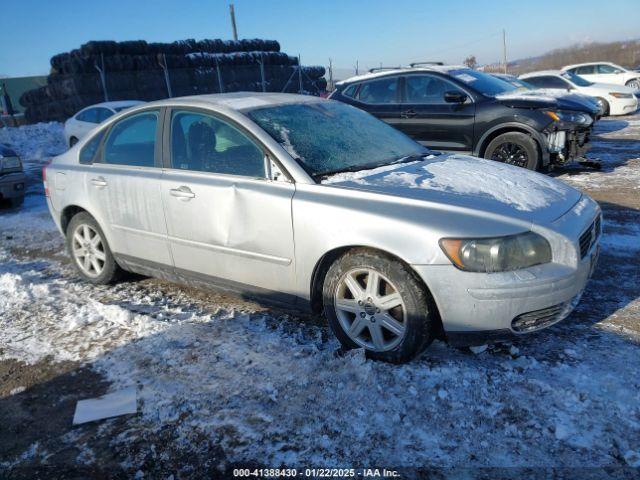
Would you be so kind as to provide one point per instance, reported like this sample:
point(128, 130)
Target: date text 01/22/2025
point(316, 473)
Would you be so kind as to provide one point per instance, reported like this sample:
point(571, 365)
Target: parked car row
point(456, 108)
point(314, 203)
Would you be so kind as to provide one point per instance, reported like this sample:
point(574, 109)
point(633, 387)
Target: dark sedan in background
point(455, 108)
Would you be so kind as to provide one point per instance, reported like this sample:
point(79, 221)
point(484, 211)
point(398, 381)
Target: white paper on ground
point(109, 405)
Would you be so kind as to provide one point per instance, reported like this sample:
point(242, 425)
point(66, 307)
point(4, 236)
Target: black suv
point(460, 109)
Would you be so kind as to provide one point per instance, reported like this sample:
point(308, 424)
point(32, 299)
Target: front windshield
point(482, 82)
point(576, 79)
point(329, 137)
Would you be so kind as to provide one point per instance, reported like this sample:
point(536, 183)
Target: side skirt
point(198, 280)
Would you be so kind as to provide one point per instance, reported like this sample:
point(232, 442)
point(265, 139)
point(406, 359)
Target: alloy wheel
point(88, 250)
point(370, 309)
point(635, 84)
point(511, 153)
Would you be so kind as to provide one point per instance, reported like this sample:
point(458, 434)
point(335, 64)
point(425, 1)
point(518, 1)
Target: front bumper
point(12, 185)
point(567, 145)
point(480, 307)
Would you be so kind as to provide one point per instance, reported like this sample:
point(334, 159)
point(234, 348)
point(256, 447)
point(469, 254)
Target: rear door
point(429, 119)
point(380, 97)
point(588, 72)
point(227, 221)
point(124, 185)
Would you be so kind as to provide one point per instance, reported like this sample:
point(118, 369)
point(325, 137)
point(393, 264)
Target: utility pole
point(233, 21)
point(330, 74)
point(356, 67)
point(504, 49)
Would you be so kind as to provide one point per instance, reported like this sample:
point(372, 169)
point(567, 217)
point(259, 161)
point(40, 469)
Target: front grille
point(530, 321)
point(590, 236)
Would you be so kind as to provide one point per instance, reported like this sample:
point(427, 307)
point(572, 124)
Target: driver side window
point(427, 89)
point(204, 143)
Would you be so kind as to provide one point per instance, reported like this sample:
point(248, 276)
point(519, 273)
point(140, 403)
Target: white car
point(86, 119)
point(606, 72)
point(613, 99)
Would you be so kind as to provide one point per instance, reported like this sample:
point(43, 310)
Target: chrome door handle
point(99, 182)
point(182, 193)
point(408, 114)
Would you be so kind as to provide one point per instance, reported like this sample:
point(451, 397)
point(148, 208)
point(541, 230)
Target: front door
point(124, 184)
point(227, 222)
point(432, 121)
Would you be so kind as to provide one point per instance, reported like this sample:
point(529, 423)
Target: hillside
point(625, 53)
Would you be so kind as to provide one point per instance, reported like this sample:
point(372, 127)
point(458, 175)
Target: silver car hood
point(468, 182)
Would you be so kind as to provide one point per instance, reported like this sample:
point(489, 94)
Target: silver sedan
point(315, 204)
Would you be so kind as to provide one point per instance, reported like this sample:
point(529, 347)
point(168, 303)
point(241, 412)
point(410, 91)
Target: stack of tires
point(137, 70)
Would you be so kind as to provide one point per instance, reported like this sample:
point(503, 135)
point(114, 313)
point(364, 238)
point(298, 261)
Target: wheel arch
point(324, 263)
point(488, 137)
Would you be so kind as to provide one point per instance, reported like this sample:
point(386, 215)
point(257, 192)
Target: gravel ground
point(223, 382)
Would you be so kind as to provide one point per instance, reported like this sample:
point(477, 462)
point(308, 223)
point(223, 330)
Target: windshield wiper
point(356, 168)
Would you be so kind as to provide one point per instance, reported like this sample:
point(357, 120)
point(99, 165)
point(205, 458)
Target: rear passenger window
point(90, 115)
point(88, 152)
point(132, 141)
point(548, 82)
point(205, 143)
point(379, 91)
point(586, 70)
point(103, 114)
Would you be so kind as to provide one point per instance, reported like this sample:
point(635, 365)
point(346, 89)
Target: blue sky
point(374, 31)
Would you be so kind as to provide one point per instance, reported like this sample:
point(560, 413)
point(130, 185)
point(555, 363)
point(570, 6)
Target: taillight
point(44, 179)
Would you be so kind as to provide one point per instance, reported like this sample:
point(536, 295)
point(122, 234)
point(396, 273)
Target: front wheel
point(514, 148)
point(375, 302)
point(72, 141)
point(90, 251)
point(604, 106)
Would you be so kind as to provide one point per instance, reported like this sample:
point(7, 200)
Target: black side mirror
point(455, 97)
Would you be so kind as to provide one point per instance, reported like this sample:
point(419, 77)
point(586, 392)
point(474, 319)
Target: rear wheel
point(374, 302)
point(514, 148)
point(634, 83)
point(72, 141)
point(90, 251)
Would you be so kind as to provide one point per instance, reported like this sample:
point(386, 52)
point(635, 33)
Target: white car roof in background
point(115, 104)
point(589, 64)
point(556, 73)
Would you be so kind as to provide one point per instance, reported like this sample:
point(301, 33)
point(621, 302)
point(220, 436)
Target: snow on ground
point(268, 387)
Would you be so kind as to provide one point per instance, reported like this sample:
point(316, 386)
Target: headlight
point(501, 254)
point(571, 117)
point(621, 95)
point(7, 163)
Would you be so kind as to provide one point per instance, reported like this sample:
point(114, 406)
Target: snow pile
point(463, 175)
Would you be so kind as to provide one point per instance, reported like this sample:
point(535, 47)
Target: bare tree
point(471, 61)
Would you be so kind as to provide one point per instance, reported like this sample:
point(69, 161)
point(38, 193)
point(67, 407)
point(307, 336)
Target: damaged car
point(455, 108)
point(314, 204)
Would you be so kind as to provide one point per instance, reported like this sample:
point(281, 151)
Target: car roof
point(395, 71)
point(586, 64)
point(541, 72)
point(239, 101)
point(116, 104)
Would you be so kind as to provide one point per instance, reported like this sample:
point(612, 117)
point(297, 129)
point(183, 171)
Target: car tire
point(604, 105)
point(633, 83)
point(16, 202)
point(514, 148)
point(399, 333)
point(72, 141)
point(98, 265)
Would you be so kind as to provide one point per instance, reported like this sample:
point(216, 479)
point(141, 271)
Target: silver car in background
point(307, 202)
